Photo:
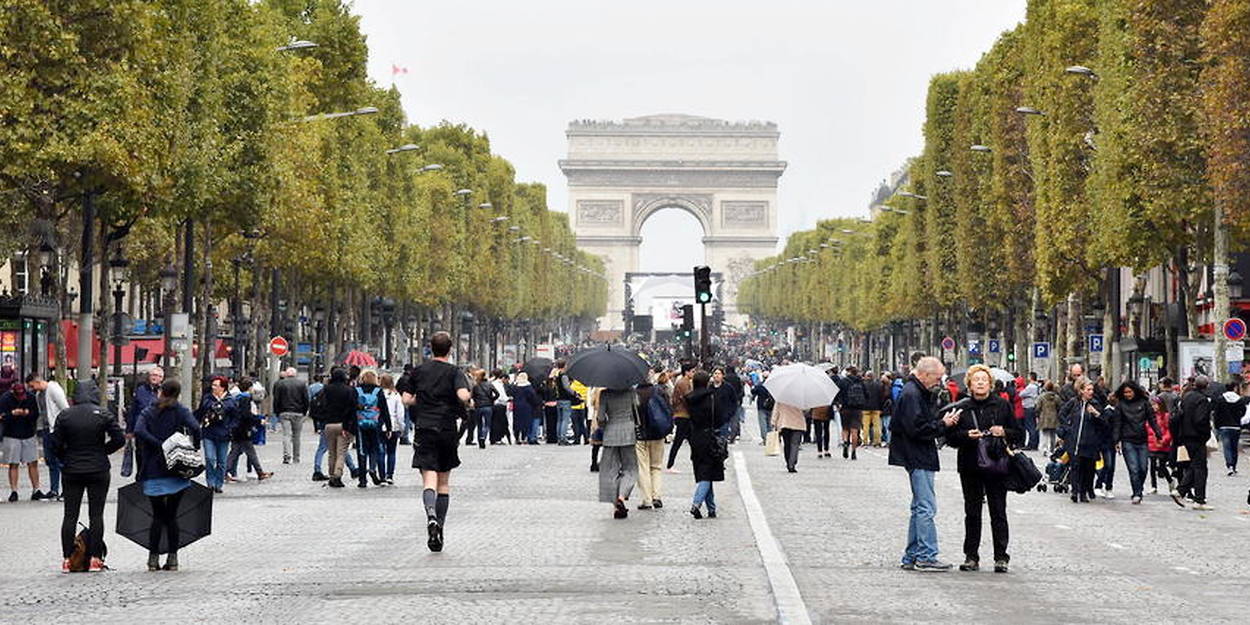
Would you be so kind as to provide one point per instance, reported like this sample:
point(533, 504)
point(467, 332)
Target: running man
point(438, 393)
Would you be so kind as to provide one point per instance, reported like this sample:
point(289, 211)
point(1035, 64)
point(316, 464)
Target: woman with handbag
point(707, 452)
point(217, 414)
point(986, 426)
point(162, 486)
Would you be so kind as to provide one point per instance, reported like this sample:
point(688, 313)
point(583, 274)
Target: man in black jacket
point(290, 401)
point(339, 416)
point(913, 430)
point(1191, 431)
point(84, 436)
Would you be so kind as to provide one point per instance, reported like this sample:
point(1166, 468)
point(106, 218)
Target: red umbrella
point(360, 359)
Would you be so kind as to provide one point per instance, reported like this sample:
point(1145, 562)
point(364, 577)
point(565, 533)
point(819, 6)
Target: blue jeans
point(369, 451)
point(564, 410)
point(1136, 460)
point(885, 428)
point(54, 464)
point(704, 493)
point(922, 539)
point(390, 444)
point(350, 459)
point(1106, 477)
point(1229, 439)
point(1030, 428)
point(215, 453)
point(765, 416)
point(484, 415)
point(536, 427)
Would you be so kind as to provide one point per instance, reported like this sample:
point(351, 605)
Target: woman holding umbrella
point(163, 487)
point(618, 469)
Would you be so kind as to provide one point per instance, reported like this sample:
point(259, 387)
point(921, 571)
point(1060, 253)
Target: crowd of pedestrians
point(635, 432)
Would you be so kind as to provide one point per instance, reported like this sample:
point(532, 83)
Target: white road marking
point(790, 606)
point(1062, 527)
point(1115, 545)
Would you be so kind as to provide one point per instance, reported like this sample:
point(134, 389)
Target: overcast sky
point(845, 81)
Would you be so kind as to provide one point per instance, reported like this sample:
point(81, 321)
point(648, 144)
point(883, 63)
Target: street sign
point(278, 346)
point(1041, 351)
point(974, 347)
point(948, 343)
point(1235, 329)
point(1095, 343)
point(996, 346)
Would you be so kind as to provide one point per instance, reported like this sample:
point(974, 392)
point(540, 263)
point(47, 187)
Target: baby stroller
point(1058, 471)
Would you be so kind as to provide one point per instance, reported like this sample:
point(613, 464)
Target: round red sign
point(1235, 329)
point(278, 346)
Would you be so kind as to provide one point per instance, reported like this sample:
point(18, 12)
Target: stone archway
point(723, 173)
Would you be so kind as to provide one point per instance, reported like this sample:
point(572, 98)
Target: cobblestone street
point(527, 543)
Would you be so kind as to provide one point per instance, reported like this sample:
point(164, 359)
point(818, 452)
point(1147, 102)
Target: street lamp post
point(117, 269)
point(86, 320)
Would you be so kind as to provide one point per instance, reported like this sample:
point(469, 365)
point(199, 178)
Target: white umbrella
point(801, 386)
point(825, 366)
point(1002, 375)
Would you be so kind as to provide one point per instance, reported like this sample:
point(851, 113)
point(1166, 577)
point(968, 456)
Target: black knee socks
point(440, 507)
point(430, 498)
point(594, 454)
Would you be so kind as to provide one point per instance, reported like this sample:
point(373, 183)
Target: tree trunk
point(1219, 313)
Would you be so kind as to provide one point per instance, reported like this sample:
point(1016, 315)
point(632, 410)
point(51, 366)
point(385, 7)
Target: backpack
point(856, 395)
point(317, 407)
point(367, 410)
point(659, 417)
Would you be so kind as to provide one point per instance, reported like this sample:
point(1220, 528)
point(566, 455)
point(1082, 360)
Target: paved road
point(527, 543)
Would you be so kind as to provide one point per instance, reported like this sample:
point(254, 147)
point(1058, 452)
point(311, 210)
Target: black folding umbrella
point(537, 368)
point(195, 515)
point(608, 367)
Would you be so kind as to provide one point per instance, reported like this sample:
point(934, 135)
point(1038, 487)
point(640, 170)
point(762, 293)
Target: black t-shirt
point(435, 384)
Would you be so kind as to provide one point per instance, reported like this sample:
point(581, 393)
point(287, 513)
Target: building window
point(21, 274)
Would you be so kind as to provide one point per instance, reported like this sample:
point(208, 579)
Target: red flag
point(395, 69)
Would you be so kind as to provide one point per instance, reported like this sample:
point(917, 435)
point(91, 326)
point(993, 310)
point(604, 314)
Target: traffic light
point(687, 317)
point(703, 284)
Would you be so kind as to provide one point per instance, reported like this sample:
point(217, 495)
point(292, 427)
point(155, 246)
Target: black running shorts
point(436, 450)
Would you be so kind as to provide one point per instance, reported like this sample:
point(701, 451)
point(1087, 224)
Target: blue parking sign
point(1095, 343)
point(1041, 351)
point(996, 346)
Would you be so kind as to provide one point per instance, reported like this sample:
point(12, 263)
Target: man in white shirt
point(52, 400)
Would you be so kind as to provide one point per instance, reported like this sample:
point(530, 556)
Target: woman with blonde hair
point(373, 420)
point(985, 428)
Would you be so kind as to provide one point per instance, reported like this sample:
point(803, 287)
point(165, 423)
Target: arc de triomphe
point(723, 173)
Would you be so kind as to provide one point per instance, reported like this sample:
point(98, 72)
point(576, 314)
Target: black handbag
point(1023, 475)
point(992, 458)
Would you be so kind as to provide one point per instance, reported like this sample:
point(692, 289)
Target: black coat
point(154, 426)
point(706, 417)
point(913, 429)
point(85, 434)
point(875, 393)
point(1083, 431)
point(1194, 422)
point(981, 414)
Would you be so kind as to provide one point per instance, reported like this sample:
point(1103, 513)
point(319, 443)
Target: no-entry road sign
point(278, 346)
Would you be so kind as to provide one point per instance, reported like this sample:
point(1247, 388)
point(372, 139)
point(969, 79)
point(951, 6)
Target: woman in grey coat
point(618, 467)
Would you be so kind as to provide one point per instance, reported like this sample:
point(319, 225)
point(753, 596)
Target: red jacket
point(1154, 443)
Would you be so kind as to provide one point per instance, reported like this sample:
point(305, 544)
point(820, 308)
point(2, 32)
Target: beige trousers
point(650, 468)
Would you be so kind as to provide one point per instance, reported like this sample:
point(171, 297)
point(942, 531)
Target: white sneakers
point(1106, 493)
point(1202, 506)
